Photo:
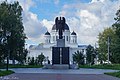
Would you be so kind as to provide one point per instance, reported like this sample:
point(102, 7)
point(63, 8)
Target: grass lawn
point(23, 66)
point(4, 73)
point(102, 66)
point(116, 74)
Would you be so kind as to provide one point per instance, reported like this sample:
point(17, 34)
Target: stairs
point(56, 66)
point(60, 66)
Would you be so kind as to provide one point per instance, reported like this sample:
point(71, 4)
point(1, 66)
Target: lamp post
point(1, 35)
point(4, 39)
point(108, 41)
point(8, 34)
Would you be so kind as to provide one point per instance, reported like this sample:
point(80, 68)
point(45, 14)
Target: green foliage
point(103, 44)
point(11, 21)
point(4, 73)
point(1, 54)
point(102, 66)
point(90, 55)
point(36, 61)
point(20, 66)
point(25, 66)
point(115, 74)
point(32, 61)
point(102, 57)
point(116, 27)
point(78, 57)
point(40, 58)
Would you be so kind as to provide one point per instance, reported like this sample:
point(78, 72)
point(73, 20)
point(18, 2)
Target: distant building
point(50, 41)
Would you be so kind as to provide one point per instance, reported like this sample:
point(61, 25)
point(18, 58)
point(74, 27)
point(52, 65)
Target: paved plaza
point(59, 71)
point(45, 76)
point(52, 74)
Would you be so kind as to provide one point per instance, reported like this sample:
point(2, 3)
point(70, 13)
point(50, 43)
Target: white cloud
point(91, 18)
point(86, 19)
point(97, 1)
point(47, 24)
point(73, 23)
point(33, 27)
point(26, 4)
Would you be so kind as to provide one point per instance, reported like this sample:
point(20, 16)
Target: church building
point(70, 38)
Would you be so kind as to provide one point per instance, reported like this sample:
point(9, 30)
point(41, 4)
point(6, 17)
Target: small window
point(53, 38)
point(49, 41)
point(67, 38)
point(56, 37)
point(75, 40)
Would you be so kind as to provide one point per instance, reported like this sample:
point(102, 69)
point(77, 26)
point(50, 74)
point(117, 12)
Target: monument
point(58, 47)
point(60, 53)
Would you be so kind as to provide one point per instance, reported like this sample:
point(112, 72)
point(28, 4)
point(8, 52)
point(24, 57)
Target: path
point(50, 74)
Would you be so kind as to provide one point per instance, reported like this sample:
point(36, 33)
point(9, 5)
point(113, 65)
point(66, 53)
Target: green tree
point(1, 54)
point(78, 57)
point(102, 57)
point(90, 54)
point(103, 44)
point(116, 49)
point(11, 21)
point(32, 61)
point(40, 59)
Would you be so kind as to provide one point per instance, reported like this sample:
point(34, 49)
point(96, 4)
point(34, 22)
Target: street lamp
point(108, 43)
point(1, 35)
point(8, 34)
point(4, 39)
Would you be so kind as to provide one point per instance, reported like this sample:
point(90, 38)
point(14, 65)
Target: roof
point(47, 33)
point(66, 27)
point(82, 45)
point(73, 33)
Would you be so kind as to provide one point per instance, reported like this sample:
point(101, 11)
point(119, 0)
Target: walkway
point(50, 74)
point(68, 71)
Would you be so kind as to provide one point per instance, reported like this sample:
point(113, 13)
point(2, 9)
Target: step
point(60, 66)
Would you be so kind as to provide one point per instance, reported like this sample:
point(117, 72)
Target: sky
point(86, 17)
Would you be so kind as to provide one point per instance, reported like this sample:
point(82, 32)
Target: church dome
point(47, 33)
point(73, 33)
point(66, 27)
